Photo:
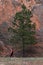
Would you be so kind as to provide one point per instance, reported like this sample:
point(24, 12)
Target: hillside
point(8, 8)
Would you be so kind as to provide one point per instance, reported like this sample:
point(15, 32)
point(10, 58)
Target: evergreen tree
point(25, 28)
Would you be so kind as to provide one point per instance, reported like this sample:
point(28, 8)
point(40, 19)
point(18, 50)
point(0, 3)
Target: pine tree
point(25, 28)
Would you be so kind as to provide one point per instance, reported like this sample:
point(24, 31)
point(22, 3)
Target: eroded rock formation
point(8, 8)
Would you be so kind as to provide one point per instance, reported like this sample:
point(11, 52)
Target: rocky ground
point(21, 61)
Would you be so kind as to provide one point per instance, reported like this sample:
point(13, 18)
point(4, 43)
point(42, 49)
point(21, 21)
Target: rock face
point(8, 8)
point(5, 50)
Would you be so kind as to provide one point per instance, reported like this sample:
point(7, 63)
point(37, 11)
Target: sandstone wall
point(8, 8)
